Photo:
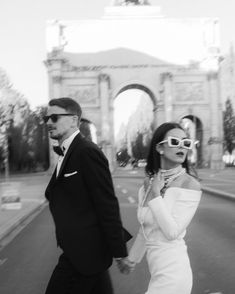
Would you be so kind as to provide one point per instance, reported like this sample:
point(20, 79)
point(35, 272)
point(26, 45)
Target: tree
point(139, 129)
point(140, 147)
point(34, 140)
point(12, 110)
point(229, 126)
point(41, 139)
point(23, 135)
point(13, 105)
point(4, 79)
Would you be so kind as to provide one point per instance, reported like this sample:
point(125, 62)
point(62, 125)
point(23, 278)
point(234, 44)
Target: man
point(84, 208)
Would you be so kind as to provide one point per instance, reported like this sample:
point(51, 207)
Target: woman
point(167, 203)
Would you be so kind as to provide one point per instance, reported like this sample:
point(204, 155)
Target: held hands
point(125, 266)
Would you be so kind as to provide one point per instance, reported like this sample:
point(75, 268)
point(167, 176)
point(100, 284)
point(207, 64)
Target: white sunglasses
point(176, 142)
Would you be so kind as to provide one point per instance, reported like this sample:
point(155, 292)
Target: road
point(27, 261)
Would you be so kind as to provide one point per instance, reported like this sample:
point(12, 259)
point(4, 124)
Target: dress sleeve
point(138, 248)
point(174, 220)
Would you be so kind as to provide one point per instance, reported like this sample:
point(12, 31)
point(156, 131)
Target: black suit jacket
point(85, 209)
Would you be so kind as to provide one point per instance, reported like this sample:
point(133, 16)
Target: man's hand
point(124, 265)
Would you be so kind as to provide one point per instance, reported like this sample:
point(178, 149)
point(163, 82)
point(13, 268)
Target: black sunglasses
point(54, 117)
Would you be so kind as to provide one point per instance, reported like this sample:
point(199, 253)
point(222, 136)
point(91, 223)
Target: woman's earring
point(161, 152)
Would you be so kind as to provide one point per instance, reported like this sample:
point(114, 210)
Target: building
point(175, 61)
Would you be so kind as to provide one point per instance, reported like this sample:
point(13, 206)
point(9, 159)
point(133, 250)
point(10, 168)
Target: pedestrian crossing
point(125, 195)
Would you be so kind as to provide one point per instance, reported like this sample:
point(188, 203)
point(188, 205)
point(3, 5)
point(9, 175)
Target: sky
point(23, 33)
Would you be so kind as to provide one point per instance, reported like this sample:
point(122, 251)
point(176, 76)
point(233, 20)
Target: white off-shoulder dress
point(161, 235)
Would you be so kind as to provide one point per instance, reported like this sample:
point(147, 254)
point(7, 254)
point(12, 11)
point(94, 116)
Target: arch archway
point(133, 121)
point(193, 126)
point(138, 86)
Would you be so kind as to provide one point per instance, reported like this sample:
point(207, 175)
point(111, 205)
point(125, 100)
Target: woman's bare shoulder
point(190, 182)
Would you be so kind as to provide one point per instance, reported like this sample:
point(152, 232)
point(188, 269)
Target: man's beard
point(54, 136)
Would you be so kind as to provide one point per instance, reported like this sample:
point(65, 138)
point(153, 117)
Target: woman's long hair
point(153, 159)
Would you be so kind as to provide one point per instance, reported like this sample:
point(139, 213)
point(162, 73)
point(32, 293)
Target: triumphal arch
point(175, 61)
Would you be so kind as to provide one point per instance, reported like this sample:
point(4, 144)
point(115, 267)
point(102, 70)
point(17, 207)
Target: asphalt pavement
point(27, 192)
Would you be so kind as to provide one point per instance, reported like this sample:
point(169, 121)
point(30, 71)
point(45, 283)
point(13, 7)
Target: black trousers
point(66, 280)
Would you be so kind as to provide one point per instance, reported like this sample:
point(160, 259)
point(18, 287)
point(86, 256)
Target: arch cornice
point(187, 113)
point(136, 84)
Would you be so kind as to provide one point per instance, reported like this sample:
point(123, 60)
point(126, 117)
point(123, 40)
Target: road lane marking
point(133, 172)
point(33, 200)
point(222, 181)
point(2, 261)
point(217, 184)
point(131, 199)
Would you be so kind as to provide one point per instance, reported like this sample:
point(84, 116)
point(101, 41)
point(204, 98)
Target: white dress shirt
point(65, 146)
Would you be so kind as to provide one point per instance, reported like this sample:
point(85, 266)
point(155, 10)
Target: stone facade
point(227, 77)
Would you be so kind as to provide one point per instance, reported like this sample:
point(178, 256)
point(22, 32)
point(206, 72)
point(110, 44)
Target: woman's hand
point(125, 266)
point(131, 264)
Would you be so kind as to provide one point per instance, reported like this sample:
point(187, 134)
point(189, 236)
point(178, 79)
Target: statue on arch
point(129, 2)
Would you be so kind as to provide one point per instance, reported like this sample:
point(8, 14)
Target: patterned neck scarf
point(166, 177)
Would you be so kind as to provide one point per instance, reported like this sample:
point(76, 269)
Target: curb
point(21, 220)
point(217, 193)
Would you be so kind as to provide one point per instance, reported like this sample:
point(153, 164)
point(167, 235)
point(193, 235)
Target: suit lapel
point(68, 153)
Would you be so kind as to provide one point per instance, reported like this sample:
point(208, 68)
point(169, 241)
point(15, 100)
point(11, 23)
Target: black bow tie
point(58, 150)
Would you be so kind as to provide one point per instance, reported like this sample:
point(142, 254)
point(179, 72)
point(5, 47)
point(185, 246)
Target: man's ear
point(75, 120)
point(79, 121)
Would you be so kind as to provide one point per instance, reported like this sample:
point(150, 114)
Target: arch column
point(56, 85)
point(215, 141)
point(54, 65)
point(167, 88)
point(106, 140)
